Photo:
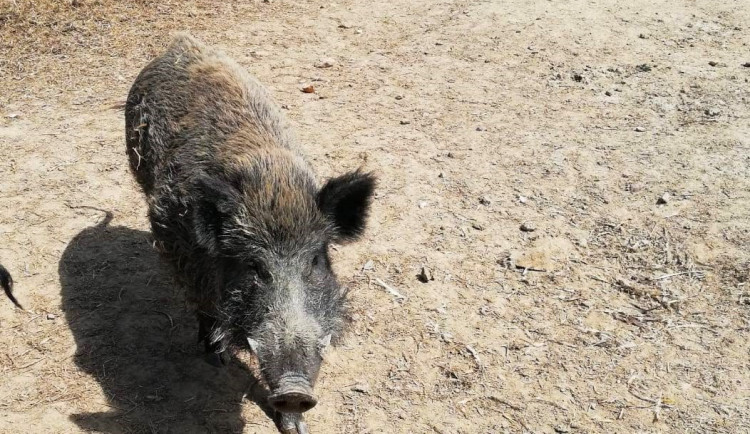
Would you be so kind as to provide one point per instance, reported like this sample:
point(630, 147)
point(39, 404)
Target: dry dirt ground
point(573, 118)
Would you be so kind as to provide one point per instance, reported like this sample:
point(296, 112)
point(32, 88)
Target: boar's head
point(268, 228)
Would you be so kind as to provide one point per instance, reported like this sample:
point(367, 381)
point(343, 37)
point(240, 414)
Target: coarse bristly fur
point(235, 208)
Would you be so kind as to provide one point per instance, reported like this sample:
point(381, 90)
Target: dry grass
point(54, 47)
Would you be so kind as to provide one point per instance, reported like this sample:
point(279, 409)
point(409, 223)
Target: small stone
point(451, 155)
point(643, 36)
point(712, 112)
point(713, 63)
point(577, 77)
point(481, 128)
point(422, 204)
point(484, 200)
point(608, 93)
point(477, 226)
point(326, 63)
point(644, 67)
point(369, 265)
point(405, 122)
point(308, 89)
point(361, 388)
point(438, 43)
point(441, 175)
point(425, 275)
point(746, 64)
point(358, 31)
point(345, 26)
point(51, 316)
point(663, 199)
point(399, 97)
point(12, 116)
point(640, 129)
point(528, 227)
point(523, 199)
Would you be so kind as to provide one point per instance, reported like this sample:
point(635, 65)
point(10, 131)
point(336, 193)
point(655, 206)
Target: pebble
point(399, 97)
point(528, 227)
point(608, 93)
point(308, 89)
point(326, 63)
point(51, 316)
point(644, 67)
point(477, 226)
point(712, 112)
point(481, 128)
point(523, 199)
point(640, 129)
point(663, 199)
point(713, 63)
point(484, 200)
point(746, 64)
point(425, 275)
point(369, 265)
point(405, 122)
point(361, 388)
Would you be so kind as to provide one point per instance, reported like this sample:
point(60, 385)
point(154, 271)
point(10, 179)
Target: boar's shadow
point(136, 337)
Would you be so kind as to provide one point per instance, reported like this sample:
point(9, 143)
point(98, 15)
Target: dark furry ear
point(346, 201)
point(216, 202)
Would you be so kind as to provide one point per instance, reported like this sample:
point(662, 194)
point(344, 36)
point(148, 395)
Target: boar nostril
point(306, 405)
point(293, 402)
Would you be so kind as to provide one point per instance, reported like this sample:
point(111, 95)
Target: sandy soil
point(572, 118)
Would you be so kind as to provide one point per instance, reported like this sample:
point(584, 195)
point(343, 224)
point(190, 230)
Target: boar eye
point(259, 270)
point(315, 260)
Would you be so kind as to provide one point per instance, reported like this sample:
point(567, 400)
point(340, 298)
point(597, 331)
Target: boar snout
point(294, 395)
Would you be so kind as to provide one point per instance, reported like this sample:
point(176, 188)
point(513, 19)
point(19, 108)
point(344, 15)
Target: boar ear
point(253, 344)
point(346, 201)
point(217, 201)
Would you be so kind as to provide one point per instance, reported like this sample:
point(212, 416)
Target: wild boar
point(235, 208)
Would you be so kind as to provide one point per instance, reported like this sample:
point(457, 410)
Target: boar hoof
point(291, 423)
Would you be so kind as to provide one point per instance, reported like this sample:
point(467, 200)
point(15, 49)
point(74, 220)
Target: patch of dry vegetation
point(50, 46)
